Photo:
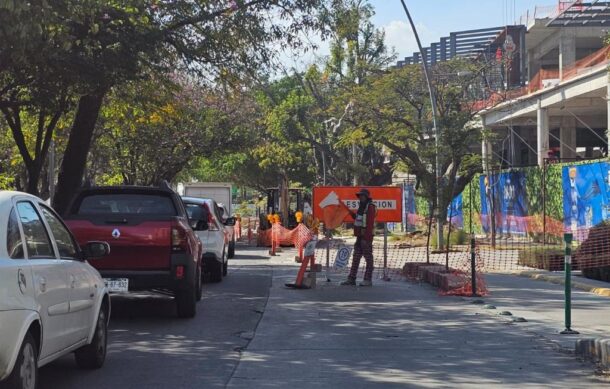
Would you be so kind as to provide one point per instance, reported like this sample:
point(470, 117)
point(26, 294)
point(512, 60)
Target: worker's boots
point(366, 283)
point(349, 282)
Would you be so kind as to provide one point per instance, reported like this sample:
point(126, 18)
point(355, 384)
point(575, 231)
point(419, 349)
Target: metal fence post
point(328, 237)
point(385, 252)
point(567, 237)
point(473, 266)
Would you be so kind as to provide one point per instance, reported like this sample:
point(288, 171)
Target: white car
point(206, 219)
point(52, 302)
point(229, 229)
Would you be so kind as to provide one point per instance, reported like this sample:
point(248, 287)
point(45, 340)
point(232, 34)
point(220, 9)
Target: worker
point(306, 206)
point(364, 228)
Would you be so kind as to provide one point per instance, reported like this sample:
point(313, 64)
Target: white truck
point(221, 193)
point(217, 191)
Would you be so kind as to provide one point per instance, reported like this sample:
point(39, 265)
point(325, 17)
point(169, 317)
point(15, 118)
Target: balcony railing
point(548, 78)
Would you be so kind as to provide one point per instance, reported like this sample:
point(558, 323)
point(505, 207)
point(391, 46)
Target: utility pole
point(439, 221)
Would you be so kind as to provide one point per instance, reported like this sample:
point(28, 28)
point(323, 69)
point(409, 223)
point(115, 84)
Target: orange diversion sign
point(331, 203)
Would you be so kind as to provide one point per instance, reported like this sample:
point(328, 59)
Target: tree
point(358, 53)
point(395, 113)
point(33, 100)
point(96, 45)
point(32, 127)
point(152, 130)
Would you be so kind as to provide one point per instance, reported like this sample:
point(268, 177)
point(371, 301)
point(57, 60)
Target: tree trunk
point(77, 149)
point(34, 171)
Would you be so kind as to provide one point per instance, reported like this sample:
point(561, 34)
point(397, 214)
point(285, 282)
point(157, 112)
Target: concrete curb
point(605, 292)
point(594, 349)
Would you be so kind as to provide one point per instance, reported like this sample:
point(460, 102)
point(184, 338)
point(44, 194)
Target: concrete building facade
point(562, 111)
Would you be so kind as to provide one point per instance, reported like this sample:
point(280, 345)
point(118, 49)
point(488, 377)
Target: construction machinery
point(284, 202)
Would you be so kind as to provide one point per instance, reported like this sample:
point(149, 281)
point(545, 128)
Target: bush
point(601, 273)
point(245, 209)
point(592, 250)
point(458, 237)
point(397, 236)
point(547, 258)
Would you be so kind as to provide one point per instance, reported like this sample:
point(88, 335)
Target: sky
point(433, 19)
point(436, 18)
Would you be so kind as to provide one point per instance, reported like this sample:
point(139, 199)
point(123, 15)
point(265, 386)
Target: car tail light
point(212, 226)
point(179, 272)
point(179, 242)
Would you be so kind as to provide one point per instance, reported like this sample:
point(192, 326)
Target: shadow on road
point(149, 347)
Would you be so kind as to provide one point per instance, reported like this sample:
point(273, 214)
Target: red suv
point(152, 246)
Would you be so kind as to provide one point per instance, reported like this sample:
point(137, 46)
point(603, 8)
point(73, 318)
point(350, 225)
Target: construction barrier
point(511, 222)
point(237, 229)
point(401, 259)
point(279, 236)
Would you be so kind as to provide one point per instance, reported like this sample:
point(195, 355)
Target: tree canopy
point(134, 92)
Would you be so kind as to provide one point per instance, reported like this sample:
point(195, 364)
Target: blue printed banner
point(504, 195)
point(409, 213)
point(455, 213)
point(585, 195)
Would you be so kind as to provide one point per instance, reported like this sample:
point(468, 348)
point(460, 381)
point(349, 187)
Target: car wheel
point(186, 302)
point(25, 372)
point(217, 271)
point(199, 294)
point(93, 355)
point(231, 253)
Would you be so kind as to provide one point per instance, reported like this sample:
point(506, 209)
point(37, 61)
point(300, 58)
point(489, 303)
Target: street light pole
point(439, 221)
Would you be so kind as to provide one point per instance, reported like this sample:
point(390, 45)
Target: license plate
point(117, 284)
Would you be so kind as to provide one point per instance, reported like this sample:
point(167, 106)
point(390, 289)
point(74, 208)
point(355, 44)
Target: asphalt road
point(252, 332)
point(149, 347)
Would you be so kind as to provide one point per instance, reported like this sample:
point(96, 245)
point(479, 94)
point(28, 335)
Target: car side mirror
point(95, 250)
point(230, 221)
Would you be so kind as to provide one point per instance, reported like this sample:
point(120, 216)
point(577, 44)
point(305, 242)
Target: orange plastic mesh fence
point(283, 236)
point(502, 253)
point(248, 227)
point(539, 246)
point(402, 261)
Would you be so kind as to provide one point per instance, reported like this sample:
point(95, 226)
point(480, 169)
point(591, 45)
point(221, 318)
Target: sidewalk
point(542, 304)
point(399, 334)
point(578, 282)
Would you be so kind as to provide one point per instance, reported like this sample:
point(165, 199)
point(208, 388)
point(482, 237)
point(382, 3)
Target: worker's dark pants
point(362, 248)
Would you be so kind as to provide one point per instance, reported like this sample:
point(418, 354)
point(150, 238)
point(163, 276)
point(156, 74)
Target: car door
point(220, 235)
point(50, 279)
point(219, 213)
point(16, 286)
point(210, 234)
point(81, 294)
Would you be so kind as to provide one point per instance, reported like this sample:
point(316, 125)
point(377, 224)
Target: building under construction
point(544, 91)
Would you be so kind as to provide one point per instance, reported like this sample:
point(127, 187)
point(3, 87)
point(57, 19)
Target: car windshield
point(127, 204)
